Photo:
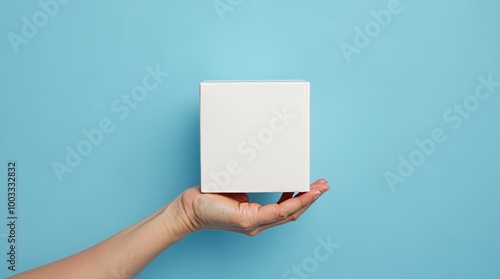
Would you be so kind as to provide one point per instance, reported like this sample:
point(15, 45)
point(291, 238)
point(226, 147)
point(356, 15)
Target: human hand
point(126, 253)
point(234, 212)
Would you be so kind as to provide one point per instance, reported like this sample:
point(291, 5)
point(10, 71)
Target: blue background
point(442, 222)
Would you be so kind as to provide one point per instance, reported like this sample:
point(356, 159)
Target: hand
point(126, 253)
point(233, 211)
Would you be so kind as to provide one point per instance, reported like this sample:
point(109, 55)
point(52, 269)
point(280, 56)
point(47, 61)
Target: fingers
point(285, 196)
point(293, 217)
point(315, 185)
point(288, 195)
point(320, 181)
point(252, 218)
point(318, 186)
point(277, 212)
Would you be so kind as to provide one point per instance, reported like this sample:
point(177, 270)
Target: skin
point(126, 253)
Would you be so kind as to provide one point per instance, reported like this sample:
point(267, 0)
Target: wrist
point(176, 220)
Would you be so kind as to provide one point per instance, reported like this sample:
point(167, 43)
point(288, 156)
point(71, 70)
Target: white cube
point(254, 136)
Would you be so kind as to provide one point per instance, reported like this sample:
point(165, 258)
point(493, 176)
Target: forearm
point(123, 255)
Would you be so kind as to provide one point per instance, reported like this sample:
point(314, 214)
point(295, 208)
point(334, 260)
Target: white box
point(254, 136)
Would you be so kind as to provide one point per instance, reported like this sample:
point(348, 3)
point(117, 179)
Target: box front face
point(254, 136)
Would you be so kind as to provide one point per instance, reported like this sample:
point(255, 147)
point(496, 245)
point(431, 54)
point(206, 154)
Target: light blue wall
point(442, 222)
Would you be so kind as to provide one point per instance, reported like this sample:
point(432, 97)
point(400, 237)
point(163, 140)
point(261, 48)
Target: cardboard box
point(254, 136)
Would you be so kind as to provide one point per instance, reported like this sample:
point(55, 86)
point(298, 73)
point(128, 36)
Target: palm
point(234, 212)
